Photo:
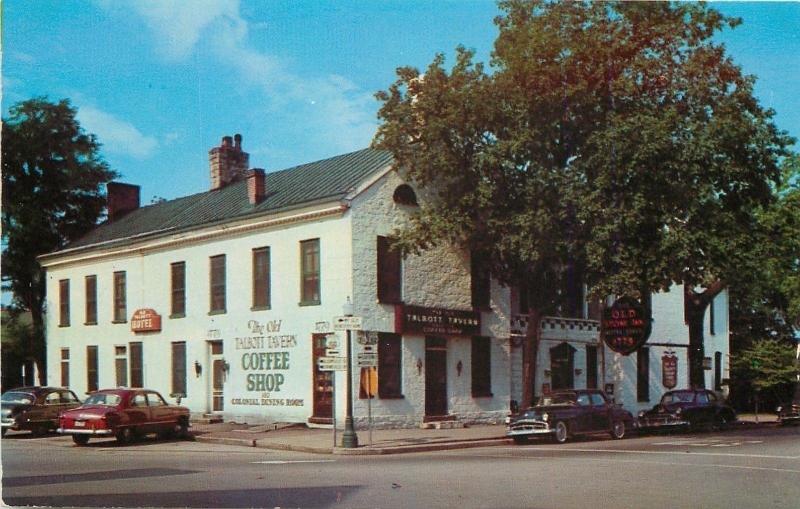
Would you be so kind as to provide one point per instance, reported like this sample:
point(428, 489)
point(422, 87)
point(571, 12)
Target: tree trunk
point(530, 357)
point(37, 348)
point(695, 305)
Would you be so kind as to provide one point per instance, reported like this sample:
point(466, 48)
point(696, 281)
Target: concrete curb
point(361, 451)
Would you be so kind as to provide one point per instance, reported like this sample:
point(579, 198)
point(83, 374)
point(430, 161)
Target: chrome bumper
point(72, 431)
point(662, 423)
point(529, 428)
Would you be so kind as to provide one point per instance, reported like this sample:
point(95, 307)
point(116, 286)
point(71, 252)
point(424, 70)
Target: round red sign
point(625, 326)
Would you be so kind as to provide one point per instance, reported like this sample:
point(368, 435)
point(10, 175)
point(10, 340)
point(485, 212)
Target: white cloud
point(332, 110)
point(180, 24)
point(117, 136)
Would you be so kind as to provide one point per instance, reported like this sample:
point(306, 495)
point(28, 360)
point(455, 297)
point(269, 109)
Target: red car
point(124, 414)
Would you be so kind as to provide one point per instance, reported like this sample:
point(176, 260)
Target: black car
point(563, 414)
point(688, 408)
point(789, 413)
point(35, 409)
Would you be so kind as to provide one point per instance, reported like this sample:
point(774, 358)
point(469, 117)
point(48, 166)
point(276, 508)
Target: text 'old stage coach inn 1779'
point(228, 298)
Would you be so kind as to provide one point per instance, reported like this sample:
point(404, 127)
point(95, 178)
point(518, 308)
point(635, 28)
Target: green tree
point(768, 365)
point(52, 178)
point(614, 140)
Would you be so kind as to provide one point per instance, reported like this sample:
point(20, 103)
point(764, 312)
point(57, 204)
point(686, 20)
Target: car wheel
point(39, 430)
point(80, 439)
point(182, 429)
point(519, 440)
point(4, 431)
point(562, 432)
point(124, 435)
point(618, 430)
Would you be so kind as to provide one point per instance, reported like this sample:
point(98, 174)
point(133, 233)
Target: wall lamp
point(198, 369)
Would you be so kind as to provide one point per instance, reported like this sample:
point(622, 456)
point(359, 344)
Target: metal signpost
point(348, 323)
point(333, 362)
point(368, 359)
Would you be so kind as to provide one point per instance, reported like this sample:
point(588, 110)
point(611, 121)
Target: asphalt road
point(748, 469)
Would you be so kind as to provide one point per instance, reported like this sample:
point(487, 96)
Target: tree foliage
point(52, 178)
point(612, 138)
point(768, 365)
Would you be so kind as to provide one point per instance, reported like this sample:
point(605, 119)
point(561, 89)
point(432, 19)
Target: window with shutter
point(390, 272)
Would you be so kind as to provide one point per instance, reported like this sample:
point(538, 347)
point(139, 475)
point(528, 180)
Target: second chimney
point(228, 163)
point(122, 198)
point(256, 188)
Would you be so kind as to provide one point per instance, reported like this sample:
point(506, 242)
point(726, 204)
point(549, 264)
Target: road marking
point(633, 451)
point(286, 462)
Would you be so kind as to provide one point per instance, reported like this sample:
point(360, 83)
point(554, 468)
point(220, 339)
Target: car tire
point(124, 435)
point(80, 439)
point(561, 434)
point(618, 430)
point(520, 440)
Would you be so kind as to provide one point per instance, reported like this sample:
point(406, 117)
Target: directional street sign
point(333, 352)
point(369, 349)
point(367, 360)
point(332, 364)
point(342, 323)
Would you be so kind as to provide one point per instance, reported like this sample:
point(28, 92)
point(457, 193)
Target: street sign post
point(343, 323)
point(367, 360)
point(332, 364)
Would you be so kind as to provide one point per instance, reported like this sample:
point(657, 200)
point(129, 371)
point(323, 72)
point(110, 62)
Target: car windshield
point(559, 398)
point(103, 399)
point(19, 398)
point(677, 397)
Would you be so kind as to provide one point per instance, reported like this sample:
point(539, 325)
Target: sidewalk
point(384, 441)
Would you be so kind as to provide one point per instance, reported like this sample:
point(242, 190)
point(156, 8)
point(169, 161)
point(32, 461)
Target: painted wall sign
point(449, 322)
point(265, 360)
point(625, 325)
point(669, 370)
point(145, 320)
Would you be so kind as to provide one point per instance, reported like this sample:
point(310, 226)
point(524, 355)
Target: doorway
point(323, 383)
point(435, 377)
point(562, 366)
point(217, 376)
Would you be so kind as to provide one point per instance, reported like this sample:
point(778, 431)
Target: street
point(738, 468)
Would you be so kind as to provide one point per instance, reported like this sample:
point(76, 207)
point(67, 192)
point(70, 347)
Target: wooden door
point(435, 376)
point(323, 384)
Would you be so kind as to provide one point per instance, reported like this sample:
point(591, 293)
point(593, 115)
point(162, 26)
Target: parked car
point(563, 414)
point(688, 408)
point(789, 413)
point(124, 414)
point(35, 409)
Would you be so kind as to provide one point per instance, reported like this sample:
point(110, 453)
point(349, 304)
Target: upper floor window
point(390, 272)
point(63, 303)
point(480, 284)
point(91, 300)
point(309, 272)
point(120, 299)
point(178, 282)
point(261, 275)
point(217, 284)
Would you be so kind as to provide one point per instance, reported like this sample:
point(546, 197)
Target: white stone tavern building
point(228, 299)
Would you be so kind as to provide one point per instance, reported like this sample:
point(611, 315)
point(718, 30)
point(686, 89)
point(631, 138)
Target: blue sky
point(160, 82)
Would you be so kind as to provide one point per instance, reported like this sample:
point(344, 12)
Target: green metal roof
point(328, 179)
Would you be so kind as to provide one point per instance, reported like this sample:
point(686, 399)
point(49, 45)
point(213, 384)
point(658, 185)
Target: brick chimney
point(122, 198)
point(256, 189)
point(228, 162)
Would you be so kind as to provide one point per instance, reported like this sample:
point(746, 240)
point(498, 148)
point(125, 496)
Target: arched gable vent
point(404, 195)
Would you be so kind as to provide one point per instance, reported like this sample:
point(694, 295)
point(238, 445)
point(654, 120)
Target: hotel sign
point(625, 326)
point(145, 320)
point(448, 322)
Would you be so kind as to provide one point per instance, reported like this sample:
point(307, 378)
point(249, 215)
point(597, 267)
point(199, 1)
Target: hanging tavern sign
point(449, 322)
point(625, 326)
point(145, 320)
point(669, 370)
